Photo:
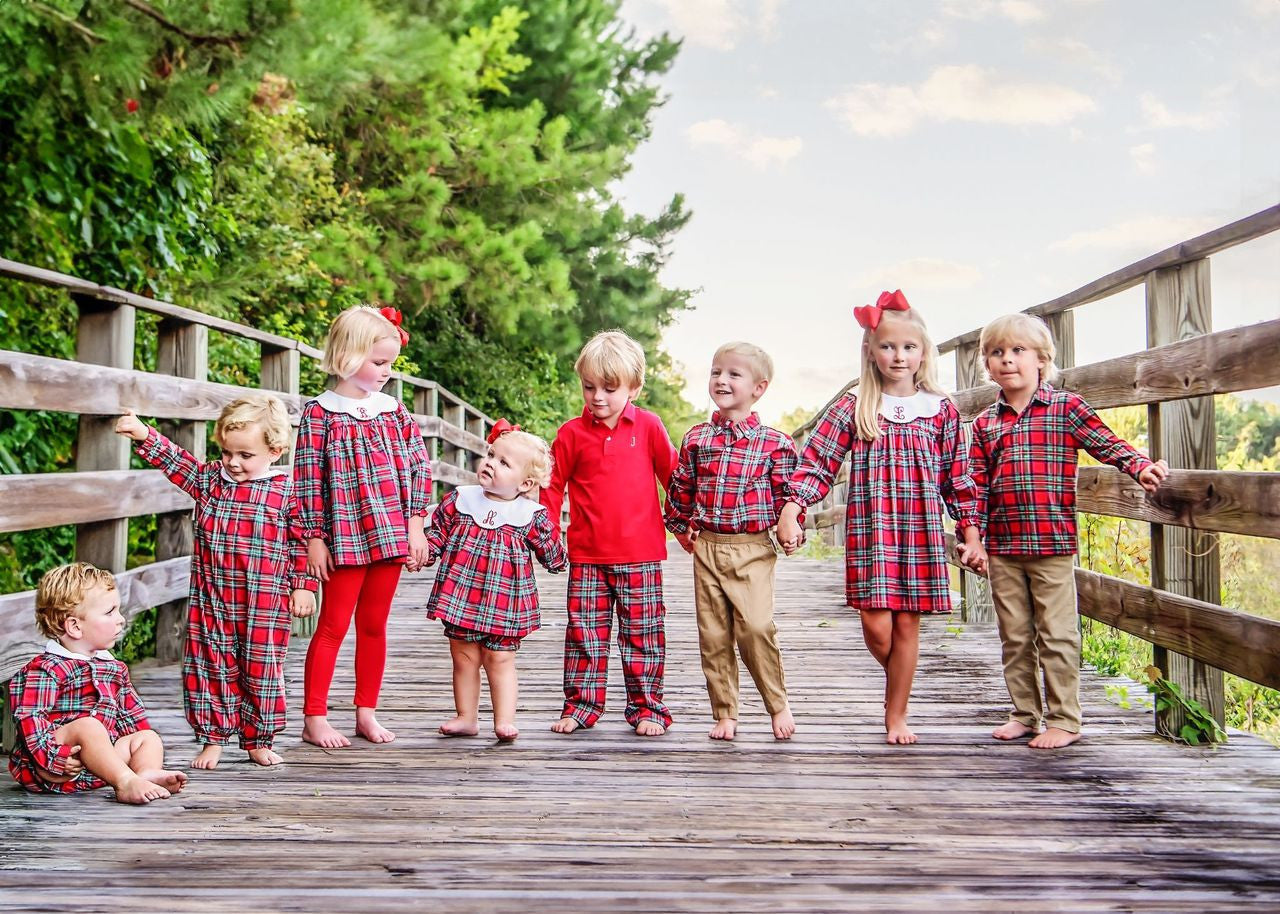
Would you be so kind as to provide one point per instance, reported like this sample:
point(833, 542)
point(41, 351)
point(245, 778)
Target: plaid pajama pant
point(636, 591)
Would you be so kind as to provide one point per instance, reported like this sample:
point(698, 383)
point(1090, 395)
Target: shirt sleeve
point(664, 453)
point(179, 465)
point(309, 469)
point(133, 715)
point(979, 471)
point(441, 527)
point(545, 542)
point(681, 488)
point(299, 578)
point(33, 692)
point(957, 488)
point(1096, 438)
point(552, 497)
point(783, 464)
point(830, 442)
point(419, 465)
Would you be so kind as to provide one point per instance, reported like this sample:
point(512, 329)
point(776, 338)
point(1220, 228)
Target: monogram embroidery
point(633, 440)
point(899, 412)
point(489, 519)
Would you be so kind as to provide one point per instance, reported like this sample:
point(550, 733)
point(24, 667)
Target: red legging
point(366, 592)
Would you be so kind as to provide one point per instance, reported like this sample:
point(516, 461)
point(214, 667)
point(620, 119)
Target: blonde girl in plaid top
point(484, 590)
point(363, 482)
point(907, 459)
point(248, 575)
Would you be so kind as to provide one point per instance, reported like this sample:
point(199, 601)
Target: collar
point(736, 428)
point(56, 647)
point(1043, 396)
point(492, 513)
point(920, 405)
point(271, 471)
point(628, 414)
point(370, 407)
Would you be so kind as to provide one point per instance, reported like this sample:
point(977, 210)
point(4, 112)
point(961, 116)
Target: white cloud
point(761, 151)
point(768, 93)
point(1143, 157)
point(767, 18)
point(715, 24)
point(956, 93)
point(1078, 54)
point(1019, 11)
point(923, 273)
point(1262, 9)
point(1147, 234)
point(1157, 114)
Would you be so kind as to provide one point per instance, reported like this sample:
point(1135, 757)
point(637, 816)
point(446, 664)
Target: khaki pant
point(733, 591)
point(1035, 604)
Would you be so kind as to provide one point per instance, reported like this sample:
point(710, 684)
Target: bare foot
point(565, 725)
point(650, 727)
point(784, 725)
point(319, 732)
point(726, 728)
point(172, 781)
point(897, 733)
point(1054, 738)
point(138, 790)
point(505, 732)
point(367, 726)
point(459, 726)
point(1011, 730)
point(265, 756)
point(208, 758)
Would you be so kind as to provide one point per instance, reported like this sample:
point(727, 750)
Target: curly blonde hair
point(263, 410)
point(539, 466)
point(351, 338)
point(61, 591)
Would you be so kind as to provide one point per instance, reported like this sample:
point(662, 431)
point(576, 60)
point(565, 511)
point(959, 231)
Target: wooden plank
point(451, 475)
point(140, 588)
point(1212, 500)
point(426, 404)
point(37, 500)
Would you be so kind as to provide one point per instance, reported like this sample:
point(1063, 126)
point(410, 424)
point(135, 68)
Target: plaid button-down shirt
point(732, 477)
point(1024, 465)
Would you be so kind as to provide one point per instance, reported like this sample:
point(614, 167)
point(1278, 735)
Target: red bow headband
point(394, 315)
point(500, 428)
point(868, 316)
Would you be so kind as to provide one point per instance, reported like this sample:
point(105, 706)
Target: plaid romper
point(485, 581)
point(56, 688)
point(247, 559)
point(895, 544)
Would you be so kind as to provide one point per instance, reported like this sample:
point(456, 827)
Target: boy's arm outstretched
point(178, 464)
point(1097, 439)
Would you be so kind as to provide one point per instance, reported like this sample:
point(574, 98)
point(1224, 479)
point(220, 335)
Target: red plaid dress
point(485, 581)
point(248, 556)
point(732, 477)
point(895, 544)
point(360, 470)
point(56, 688)
point(1024, 466)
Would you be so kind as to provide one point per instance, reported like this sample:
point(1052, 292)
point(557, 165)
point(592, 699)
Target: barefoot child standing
point(724, 496)
point(484, 590)
point(907, 460)
point(80, 723)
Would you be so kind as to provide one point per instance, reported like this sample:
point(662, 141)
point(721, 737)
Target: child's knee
point(497, 660)
point(81, 730)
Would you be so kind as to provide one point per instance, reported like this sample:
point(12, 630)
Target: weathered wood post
point(476, 426)
point(183, 351)
point(974, 588)
point(454, 413)
point(426, 402)
point(1183, 432)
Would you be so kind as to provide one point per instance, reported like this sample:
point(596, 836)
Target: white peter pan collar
point(920, 405)
point(491, 513)
point(373, 405)
point(226, 477)
point(57, 648)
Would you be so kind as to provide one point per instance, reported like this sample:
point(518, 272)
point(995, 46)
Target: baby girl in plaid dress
point(907, 458)
point(484, 591)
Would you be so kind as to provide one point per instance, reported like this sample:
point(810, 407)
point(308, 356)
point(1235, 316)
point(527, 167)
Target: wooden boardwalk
point(603, 820)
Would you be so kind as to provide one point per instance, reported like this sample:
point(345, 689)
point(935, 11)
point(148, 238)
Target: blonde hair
point(1021, 328)
point(352, 336)
point(61, 591)
point(870, 386)
point(612, 357)
point(757, 358)
point(263, 410)
point(539, 466)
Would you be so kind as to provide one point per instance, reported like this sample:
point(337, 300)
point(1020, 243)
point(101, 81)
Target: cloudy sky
point(981, 155)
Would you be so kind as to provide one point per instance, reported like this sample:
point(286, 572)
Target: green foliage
point(1199, 725)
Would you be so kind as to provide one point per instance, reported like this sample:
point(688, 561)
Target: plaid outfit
point(248, 556)
point(485, 581)
point(1024, 467)
point(57, 688)
point(895, 544)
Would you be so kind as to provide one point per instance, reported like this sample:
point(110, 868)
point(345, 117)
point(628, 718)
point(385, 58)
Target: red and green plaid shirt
point(1024, 465)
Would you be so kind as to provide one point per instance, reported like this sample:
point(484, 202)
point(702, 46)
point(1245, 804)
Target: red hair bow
point(500, 428)
point(868, 316)
point(394, 315)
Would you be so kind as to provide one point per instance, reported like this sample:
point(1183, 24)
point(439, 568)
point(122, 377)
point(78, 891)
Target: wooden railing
point(102, 494)
point(1176, 377)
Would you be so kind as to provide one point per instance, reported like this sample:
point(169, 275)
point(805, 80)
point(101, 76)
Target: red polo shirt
point(613, 477)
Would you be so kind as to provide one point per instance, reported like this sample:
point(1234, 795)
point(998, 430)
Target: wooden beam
point(451, 475)
point(1221, 501)
point(38, 500)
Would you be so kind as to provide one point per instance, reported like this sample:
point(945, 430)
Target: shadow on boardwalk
point(603, 820)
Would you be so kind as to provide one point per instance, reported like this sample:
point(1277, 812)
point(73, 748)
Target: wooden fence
point(102, 494)
point(1176, 377)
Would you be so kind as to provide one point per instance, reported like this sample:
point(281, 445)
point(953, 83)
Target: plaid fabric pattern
point(359, 481)
point(732, 477)
point(248, 555)
point(636, 591)
point(485, 581)
point(895, 544)
point(484, 639)
point(52, 690)
point(1024, 466)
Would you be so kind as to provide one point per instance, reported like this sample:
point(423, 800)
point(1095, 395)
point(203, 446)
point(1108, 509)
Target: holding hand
point(972, 553)
point(419, 550)
point(73, 766)
point(790, 536)
point(302, 603)
point(131, 426)
point(319, 560)
point(687, 539)
point(1152, 476)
